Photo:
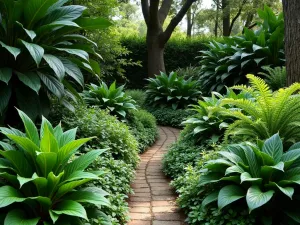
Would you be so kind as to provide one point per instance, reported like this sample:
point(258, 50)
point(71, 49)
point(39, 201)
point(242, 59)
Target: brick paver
point(154, 200)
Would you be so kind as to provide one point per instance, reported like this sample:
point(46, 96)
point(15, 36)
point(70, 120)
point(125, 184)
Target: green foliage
point(138, 96)
point(263, 175)
point(43, 53)
point(110, 132)
point(143, 127)
point(226, 63)
point(189, 72)
point(40, 183)
point(275, 78)
point(113, 98)
point(171, 91)
point(187, 49)
point(169, 116)
point(269, 113)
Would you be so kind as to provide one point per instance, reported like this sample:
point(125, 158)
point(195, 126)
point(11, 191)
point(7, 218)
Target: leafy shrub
point(169, 116)
point(275, 78)
point(110, 132)
point(189, 72)
point(113, 98)
point(171, 91)
point(39, 180)
point(143, 127)
point(42, 54)
point(262, 175)
point(271, 112)
point(226, 64)
point(138, 96)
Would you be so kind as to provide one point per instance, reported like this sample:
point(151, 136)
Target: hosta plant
point(171, 91)
point(269, 112)
point(226, 63)
point(41, 179)
point(42, 52)
point(275, 77)
point(112, 98)
point(260, 177)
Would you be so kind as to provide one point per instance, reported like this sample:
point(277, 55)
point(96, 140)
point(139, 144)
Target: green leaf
point(93, 23)
point(31, 80)
point(288, 191)
point(56, 65)
point(46, 161)
point(5, 74)
point(273, 147)
point(70, 208)
point(5, 93)
point(229, 194)
point(88, 197)
point(256, 198)
point(53, 85)
point(14, 51)
point(80, 53)
point(9, 195)
point(30, 33)
point(48, 141)
point(209, 178)
point(35, 51)
point(19, 217)
point(234, 169)
point(26, 144)
point(73, 71)
point(210, 198)
point(247, 177)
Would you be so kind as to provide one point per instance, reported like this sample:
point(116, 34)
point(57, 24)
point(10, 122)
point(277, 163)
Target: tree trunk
point(291, 9)
point(217, 18)
point(189, 23)
point(226, 17)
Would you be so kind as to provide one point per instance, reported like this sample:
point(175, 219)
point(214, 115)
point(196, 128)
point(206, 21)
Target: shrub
point(42, 54)
point(169, 116)
point(113, 98)
point(39, 181)
point(226, 64)
point(138, 96)
point(110, 132)
point(275, 78)
point(262, 176)
point(271, 112)
point(143, 127)
point(171, 91)
point(189, 72)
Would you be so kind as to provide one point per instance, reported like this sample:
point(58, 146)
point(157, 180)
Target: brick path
point(154, 201)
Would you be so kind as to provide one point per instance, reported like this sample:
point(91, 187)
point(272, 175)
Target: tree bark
point(217, 18)
point(189, 23)
point(226, 17)
point(291, 9)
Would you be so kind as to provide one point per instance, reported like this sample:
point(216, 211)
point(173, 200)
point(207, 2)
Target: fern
point(269, 113)
point(276, 78)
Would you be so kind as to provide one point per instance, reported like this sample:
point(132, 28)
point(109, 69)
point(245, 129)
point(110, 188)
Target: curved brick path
point(154, 201)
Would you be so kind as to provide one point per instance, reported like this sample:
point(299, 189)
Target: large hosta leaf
point(229, 194)
point(35, 51)
point(256, 198)
point(56, 65)
point(17, 216)
point(274, 148)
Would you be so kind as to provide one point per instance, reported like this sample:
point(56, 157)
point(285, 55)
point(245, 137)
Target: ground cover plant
point(40, 183)
point(275, 77)
point(43, 54)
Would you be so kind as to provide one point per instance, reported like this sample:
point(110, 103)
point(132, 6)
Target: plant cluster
point(112, 98)
point(138, 96)
point(171, 91)
point(226, 63)
point(275, 77)
point(189, 72)
point(43, 53)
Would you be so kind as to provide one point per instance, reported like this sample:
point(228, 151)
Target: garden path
point(154, 200)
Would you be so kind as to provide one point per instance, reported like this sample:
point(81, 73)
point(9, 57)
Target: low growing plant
point(40, 183)
point(189, 72)
point(275, 77)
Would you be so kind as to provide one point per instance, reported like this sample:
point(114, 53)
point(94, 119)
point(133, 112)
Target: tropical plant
point(226, 63)
point(171, 91)
point(40, 179)
point(42, 53)
point(266, 114)
point(113, 98)
point(275, 77)
point(262, 176)
point(189, 72)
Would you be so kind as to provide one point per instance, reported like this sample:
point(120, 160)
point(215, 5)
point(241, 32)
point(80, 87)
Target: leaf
point(93, 23)
point(234, 169)
point(26, 144)
point(31, 80)
point(288, 191)
point(35, 51)
point(5, 74)
point(56, 65)
point(256, 198)
point(273, 147)
point(73, 71)
point(88, 197)
point(210, 198)
point(70, 208)
point(5, 93)
point(80, 53)
point(14, 51)
point(30, 33)
point(48, 141)
point(9, 195)
point(46, 161)
point(229, 194)
point(247, 177)
point(19, 217)
point(52, 84)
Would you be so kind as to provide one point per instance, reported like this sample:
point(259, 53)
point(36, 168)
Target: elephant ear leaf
point(273, 147)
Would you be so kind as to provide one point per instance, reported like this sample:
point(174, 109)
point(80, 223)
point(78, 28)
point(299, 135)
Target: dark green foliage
point(171, 91)
point(143, 127)
point(228, 63)
point(42, 54)
point(169, 116)
point(189, 72)
point(275, 78)
point(178, 54)
point(138, 96)
point(111, 98)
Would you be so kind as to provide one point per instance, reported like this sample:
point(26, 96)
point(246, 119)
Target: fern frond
point(244, 88)
point(247, 105)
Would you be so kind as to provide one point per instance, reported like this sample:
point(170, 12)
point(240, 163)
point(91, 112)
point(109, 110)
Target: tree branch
point(176, 20)
point(145, 9)
point(236, 16)
point(164, 10)
point(153, 14)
